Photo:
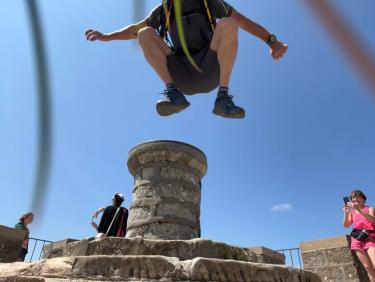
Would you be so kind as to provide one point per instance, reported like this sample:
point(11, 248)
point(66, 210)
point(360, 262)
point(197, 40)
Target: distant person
point(24, 220)
point(362, 218)
point(118, 227)
point(211, 34)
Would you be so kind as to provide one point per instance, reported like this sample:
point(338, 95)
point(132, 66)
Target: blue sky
point(275, 178)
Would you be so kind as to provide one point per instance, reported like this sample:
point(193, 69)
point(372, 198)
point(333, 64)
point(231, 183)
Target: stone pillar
point(10, 244)
point(167, 190)
point(333, 260)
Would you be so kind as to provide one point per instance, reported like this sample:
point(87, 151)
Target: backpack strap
point(113, 220)
point(167, 11)
point(211, 20)
point(165, 17)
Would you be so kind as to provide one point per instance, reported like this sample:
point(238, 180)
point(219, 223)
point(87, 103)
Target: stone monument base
point(150, 268)
point(138, 259)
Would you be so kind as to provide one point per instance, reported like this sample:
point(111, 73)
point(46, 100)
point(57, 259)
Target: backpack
point(167, 12)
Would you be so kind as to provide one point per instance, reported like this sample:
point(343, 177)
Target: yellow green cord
point(181, 34)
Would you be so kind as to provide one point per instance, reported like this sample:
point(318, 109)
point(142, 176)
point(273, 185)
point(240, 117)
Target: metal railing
point(36, 249)
point(292, 257)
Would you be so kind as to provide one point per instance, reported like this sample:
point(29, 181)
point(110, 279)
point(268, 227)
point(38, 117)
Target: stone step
point(150, 268)
point(182, 249)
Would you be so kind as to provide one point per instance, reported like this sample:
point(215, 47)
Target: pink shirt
point(360, 222)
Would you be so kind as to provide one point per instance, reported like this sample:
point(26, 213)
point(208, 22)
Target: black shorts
point(187, 79)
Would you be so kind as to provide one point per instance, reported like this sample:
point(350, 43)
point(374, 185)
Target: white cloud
point(282, 207)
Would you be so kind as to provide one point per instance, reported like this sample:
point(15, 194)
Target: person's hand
point(93, 35)
point(93, 224)
point(346, 208)
point(278, 49)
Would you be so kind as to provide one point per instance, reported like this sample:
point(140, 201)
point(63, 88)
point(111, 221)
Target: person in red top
point(362, 218)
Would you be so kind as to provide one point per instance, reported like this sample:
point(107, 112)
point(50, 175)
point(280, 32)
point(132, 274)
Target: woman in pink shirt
point(362, 218)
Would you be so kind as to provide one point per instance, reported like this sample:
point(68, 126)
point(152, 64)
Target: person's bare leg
point(367, 264)
point(225, 43)
point(371, 254)
point(155, 51)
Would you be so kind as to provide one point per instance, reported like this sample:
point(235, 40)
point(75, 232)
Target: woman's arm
point(347, 221)
point(127, 33)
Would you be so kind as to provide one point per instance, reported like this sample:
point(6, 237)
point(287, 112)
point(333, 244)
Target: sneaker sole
point(165, 109)
point(225, 115)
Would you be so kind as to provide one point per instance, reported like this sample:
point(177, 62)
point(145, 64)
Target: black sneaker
point(225, 107)
point(173, 102)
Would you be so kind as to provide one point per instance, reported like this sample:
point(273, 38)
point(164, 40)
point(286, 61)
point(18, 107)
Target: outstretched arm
point(277, 49)
point(127, 33)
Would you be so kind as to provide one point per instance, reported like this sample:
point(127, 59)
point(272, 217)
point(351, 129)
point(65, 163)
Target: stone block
point(266, 255)
point(57, 249)
point(10, 243)
point(183, 249)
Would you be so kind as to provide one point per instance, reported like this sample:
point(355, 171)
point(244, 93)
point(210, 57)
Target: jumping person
point(211, 32)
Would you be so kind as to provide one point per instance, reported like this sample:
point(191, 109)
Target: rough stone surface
point(265, 255)
point(182, 249)
point(333, 260)
point(167, 190)
point(151, 268)
point(10, 243)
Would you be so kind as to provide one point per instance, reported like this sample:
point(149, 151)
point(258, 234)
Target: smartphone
point(346, 200)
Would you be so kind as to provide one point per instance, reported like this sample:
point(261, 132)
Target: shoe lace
point(229, 100)
point(168, 93)
point(164, 93)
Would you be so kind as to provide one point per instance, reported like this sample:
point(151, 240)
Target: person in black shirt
point(115, 213)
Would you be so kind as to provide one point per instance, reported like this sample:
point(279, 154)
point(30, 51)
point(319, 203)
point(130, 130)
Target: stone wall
point(265, 255)
point(10, 243)
point(333, 260)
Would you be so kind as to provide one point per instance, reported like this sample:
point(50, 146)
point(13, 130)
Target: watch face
point(272, 38)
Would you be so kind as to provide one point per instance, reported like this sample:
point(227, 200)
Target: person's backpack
point(167, 12)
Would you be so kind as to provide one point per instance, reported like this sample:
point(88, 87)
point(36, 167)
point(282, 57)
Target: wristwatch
point(271, 39)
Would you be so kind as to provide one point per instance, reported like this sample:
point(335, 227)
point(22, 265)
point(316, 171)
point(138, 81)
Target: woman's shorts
point(363, 245)
point(187, 79)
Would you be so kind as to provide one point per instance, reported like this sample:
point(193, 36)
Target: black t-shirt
point(197, 30)
point(119, 225)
